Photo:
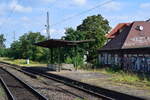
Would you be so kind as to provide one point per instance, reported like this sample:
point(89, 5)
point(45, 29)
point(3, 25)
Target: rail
point(25, 85)
point(9, 94)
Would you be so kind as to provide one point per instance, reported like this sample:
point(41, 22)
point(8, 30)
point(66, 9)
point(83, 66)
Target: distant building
point(128, 47)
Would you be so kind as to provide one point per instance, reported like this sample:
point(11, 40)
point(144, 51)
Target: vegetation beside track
point(21, 62)
point(121, 77)
point(2, 93)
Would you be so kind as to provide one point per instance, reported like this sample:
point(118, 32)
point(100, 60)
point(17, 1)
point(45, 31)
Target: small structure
point(128, 47)
point(58, 44)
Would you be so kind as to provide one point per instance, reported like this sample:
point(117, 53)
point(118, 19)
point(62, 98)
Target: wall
point(131, 62)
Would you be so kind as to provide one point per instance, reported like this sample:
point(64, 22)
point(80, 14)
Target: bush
point(77, 61)
point(68, 60)
point(114, 70)
point(3, 52)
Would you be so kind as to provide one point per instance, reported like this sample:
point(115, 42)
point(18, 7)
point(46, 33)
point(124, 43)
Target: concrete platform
point(103, 80)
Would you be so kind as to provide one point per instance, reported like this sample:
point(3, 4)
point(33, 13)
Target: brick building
point(128, 47)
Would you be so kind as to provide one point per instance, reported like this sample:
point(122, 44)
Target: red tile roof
point(114, 32)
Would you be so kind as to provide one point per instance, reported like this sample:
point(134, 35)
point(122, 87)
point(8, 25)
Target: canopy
point(54, 43)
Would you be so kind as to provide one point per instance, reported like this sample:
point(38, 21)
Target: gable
point(115, 31)
point(138, 38)
point(118, 41)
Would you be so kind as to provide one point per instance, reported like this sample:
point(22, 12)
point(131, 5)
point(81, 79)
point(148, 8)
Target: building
point(128, 47)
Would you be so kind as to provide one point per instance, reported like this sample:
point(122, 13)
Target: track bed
point(19, 90)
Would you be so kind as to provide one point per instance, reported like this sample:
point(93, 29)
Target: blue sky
point(22, 16)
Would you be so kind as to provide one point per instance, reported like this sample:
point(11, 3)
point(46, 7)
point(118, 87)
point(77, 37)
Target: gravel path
point(52, 89)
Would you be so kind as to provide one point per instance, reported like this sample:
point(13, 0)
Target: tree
point(25, 48)
point(94, 27)
point(74, 35)
point(71, 34)
point(2, 40)
point(2, 45)
point(70, 53)
point(15, 51)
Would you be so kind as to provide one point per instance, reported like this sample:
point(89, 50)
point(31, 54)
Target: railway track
point(95, 90)
point(16, 89)
point(91, 89)
point(59, 85)
point(8, 94)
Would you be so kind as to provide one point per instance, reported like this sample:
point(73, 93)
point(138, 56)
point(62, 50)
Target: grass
point(79, 99)
point(2, 93)
point(127, 78)
point(21, 62)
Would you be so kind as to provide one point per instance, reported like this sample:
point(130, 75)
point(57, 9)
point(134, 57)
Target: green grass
point(2, 93)
point(79, 99)
point(131, 79)
point(21, 62)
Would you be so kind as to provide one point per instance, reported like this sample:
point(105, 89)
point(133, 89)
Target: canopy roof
point(54, 43)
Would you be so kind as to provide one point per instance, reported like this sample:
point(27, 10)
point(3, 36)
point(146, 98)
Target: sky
point(23, 16)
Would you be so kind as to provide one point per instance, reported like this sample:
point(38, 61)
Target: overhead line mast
point(50, 51)
point(48, 26)
point(14, 36)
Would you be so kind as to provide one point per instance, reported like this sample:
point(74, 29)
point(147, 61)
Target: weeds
point(21, 62)
point(119, 75)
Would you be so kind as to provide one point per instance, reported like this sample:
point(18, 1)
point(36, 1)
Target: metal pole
point(48, 26)
point(48, 56)
point(59, 54)
point(51, 55)
point(48, 37)
point(76, 58)
point(14, 36)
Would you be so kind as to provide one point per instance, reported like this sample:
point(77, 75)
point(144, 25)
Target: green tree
point(94, 27)
point(24, 48)
point(71, 34)
point(2, 45)
point(2, 40)
point(15, 51)
point(70, 53)
point(74, 35)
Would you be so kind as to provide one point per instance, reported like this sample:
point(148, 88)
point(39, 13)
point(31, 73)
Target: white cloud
point(80, 2)
point(112, 6)
point(19, 8)
point(145, 5)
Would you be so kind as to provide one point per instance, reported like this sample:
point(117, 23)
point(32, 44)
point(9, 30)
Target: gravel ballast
point(52, 89)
